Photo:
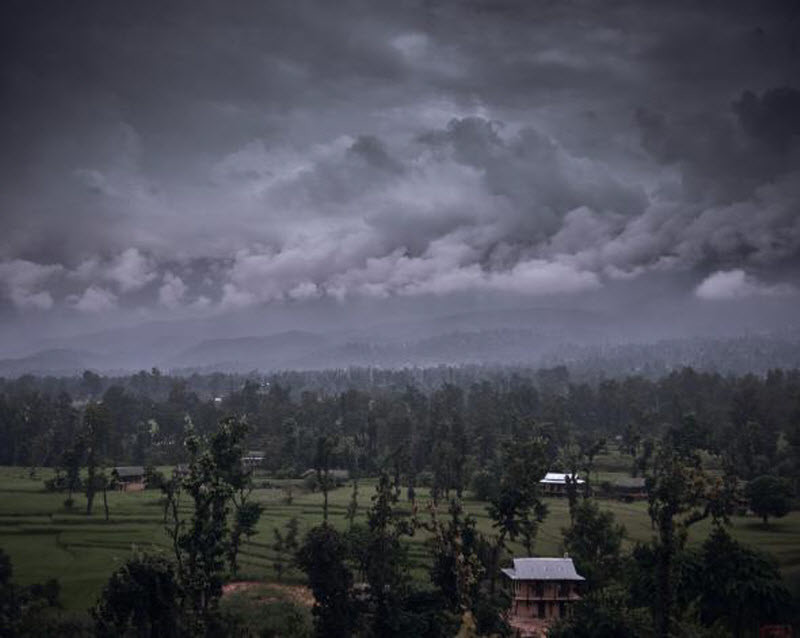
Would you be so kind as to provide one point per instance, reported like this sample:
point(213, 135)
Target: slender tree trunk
point(90, 487)
point(664, 579)
point(105, 499)
point(325, 496)
point(501, 541)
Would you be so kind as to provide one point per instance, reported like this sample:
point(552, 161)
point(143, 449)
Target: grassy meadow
point(45, 540)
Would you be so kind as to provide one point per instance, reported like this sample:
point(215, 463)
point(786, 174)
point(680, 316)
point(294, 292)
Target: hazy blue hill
point(270, 352)
point(55, 361)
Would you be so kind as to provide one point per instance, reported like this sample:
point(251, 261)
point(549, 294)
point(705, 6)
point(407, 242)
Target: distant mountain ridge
point(255, 352)
point(532, 337)
point(55, 361)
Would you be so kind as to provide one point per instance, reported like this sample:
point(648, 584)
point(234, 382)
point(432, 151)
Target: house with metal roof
point(253, 459)
point(555, 483)
point(129, 478)
point(542, 589)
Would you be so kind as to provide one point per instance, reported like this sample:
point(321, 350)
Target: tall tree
point(594, 541)
point(96, 428)
point(323, 557)
point(386, 559)
point(679, 494)
point(202, 542)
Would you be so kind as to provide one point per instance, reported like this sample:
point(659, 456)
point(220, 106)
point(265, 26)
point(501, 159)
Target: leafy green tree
point(323, 557)
point(201, 543)
point(105, 482)
point(141, 598)
point(769, 496)
point(10, 599)
point(31, 610)
point(96, 429)
point(92, 384)
point(456, 570)
point(738, 586)
point(247, 512)
point(286, 543)
point(594, 541)
point(484, 485)
point(322, 466)
point(386, 566)
point(245, 520)
point(352, 506)
point(604, 613)
point(71, 461)
point(516, 510)
point(679, 495)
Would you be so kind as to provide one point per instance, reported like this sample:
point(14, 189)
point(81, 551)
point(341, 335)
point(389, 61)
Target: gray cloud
point(207, 158)
point(735, 284)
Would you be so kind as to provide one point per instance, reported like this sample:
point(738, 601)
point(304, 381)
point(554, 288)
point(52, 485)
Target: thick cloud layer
point(212, 157)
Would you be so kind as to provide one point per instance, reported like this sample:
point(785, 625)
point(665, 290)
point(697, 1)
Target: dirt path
point(271, 592)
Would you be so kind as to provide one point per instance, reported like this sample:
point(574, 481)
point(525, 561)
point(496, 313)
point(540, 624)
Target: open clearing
point(47, 541)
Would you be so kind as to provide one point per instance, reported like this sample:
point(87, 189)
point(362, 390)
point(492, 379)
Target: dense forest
point(441, 417)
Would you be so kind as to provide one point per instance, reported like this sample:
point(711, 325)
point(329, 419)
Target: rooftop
point(543, 569)
point(557, 477)
point(125, 471)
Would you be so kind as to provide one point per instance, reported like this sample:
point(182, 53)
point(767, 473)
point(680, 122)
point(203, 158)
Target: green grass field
point(46, 541)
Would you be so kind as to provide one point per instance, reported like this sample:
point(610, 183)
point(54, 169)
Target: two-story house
point(542, 591)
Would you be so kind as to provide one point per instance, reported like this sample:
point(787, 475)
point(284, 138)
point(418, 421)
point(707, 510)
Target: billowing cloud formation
point(263, 155)
point(172, 291)
point(735, 284)
point(22, 281)
point(130, 271)
point(94, 299)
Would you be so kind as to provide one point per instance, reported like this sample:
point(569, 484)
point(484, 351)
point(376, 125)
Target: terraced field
point(47, 541)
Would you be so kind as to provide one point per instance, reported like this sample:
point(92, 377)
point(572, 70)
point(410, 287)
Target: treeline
point(446, 423)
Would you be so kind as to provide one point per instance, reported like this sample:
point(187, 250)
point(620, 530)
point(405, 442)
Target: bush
point(142, 596)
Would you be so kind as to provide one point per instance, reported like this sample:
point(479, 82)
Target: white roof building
point(556, 478)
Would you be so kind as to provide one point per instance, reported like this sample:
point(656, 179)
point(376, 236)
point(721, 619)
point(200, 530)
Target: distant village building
point(555, 484)
point(334, 473)
point(129, 478)
point(629, 488)
point(542, 591)
point(253, 459)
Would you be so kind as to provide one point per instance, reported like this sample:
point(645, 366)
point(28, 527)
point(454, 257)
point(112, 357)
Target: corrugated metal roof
point(629, 482)
point(557, 477)
point(543, 569)
point(124, 471)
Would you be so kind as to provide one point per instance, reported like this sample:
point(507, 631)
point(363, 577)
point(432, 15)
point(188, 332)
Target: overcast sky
point(219, 156)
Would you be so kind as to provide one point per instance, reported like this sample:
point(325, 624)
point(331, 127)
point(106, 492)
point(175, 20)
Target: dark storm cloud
point(187, 157)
